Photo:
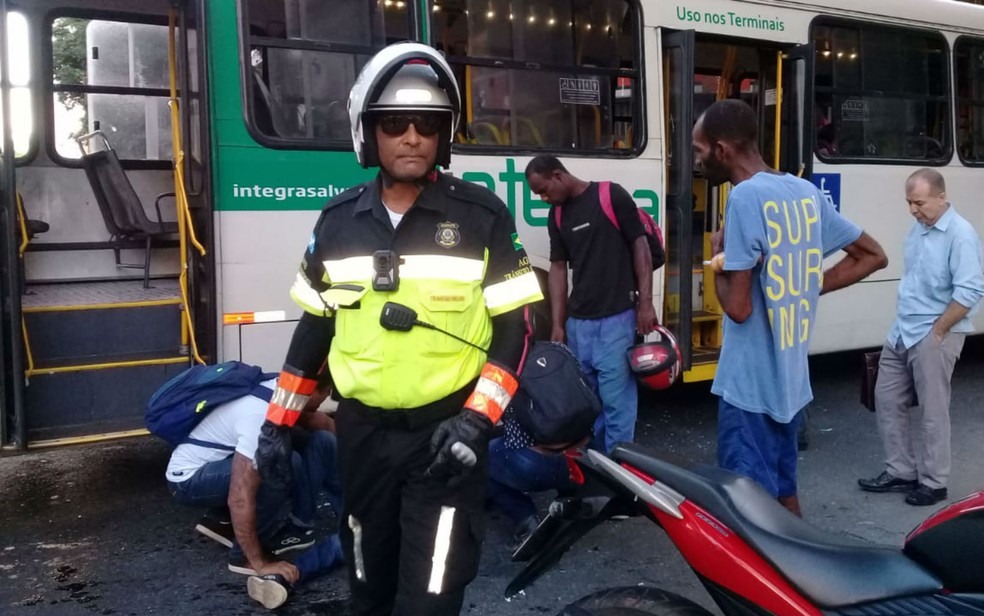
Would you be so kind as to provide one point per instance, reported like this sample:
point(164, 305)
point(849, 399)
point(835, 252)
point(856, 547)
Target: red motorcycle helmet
point(657, 363)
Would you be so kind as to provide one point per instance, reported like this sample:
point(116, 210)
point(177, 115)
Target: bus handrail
point(186, 228)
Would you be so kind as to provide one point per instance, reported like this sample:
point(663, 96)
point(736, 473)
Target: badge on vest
point(447, 235)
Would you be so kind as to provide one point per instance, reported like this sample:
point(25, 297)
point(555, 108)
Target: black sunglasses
point(426, 124)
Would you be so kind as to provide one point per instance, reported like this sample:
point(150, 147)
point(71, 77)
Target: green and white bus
point(237, 108)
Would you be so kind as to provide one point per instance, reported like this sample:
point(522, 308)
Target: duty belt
point(411, 419)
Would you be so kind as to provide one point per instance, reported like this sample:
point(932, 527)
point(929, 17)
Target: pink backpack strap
point(605, 195)
point(557, 216)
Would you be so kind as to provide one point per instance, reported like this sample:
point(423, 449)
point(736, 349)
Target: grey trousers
point(917, 438)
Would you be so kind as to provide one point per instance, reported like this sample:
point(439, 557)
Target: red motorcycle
point(752, 555)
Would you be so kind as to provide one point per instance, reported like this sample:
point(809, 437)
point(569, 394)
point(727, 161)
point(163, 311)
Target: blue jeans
point(759, 447)
point(600, 345)
point(515, 472)
point(320, 558)
point(315, 468)
point(209, 487)
point(315, 462)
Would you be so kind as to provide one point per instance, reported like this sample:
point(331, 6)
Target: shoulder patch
point(471, 192)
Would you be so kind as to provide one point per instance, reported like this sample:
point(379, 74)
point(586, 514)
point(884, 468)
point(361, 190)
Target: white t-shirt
point(395, 217)
point(235, 424)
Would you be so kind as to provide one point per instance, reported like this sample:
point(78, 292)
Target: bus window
point(110, 76)
point(881, 94)
point(543, 74)
point(969, 71)
point(21, 116)
point(304, 57)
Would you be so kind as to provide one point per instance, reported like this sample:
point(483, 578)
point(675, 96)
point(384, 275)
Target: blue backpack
point(180, 404)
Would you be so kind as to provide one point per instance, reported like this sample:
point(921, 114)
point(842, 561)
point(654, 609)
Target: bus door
point(678, 70)
point(115, 291)
point(11, 388)
point(775, 80)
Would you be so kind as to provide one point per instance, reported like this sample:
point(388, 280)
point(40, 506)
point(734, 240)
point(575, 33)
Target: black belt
point(411, 419)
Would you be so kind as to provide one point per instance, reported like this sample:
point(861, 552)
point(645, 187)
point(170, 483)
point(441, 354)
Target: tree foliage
point(68, 53)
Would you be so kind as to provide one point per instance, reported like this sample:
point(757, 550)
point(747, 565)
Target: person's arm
point(243, 486)
point(864, 256)
point(950, 317)
point(734, 291)
point(316, 421)
point(557, 287)
point(634, 235)
point(509, 286)
point(642, 262)
point(968, 284)
point(733, 287)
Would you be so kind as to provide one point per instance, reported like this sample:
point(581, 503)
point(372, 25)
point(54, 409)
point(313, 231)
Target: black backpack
point(554, 403)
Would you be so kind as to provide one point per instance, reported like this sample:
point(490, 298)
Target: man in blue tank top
point(777, 231)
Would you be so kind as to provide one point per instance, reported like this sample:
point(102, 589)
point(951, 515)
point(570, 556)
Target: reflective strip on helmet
point(360, 566)
point(502, 297)
point(493, 391)
point(442, 546)
point(289, 398)
point(307, 298)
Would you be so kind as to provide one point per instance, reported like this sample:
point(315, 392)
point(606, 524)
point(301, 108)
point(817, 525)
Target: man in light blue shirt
point(941, 288)
point(777, 230)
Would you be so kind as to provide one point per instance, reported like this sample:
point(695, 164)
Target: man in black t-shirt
point(612, 298)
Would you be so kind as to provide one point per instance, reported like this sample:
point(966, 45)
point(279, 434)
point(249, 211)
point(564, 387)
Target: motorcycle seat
point(829, 569)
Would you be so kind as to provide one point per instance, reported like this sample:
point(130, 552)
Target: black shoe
point(270, 590)
point(289, 538)
point(217, 530)
point(887, 483)
point(923, 496)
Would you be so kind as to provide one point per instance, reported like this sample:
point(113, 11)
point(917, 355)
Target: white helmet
point(403, 77)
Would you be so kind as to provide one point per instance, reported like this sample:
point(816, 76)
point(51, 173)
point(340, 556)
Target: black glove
point(458, 444)
point(273, 453)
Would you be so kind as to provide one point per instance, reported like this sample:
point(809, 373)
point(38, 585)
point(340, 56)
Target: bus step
point(94, 335)
point(81, 400)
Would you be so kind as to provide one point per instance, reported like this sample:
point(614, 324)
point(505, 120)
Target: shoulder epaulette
point(346, 195)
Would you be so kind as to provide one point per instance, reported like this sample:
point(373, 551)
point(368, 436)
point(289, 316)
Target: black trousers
point(412, 543)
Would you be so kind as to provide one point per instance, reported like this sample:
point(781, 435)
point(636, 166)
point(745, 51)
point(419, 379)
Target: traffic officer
point(414, 284)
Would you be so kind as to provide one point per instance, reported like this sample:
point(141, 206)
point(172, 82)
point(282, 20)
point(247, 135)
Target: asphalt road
point(92, 530)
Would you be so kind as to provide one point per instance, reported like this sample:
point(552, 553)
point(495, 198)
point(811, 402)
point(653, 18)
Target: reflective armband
point(289, 398)
point(494, 390)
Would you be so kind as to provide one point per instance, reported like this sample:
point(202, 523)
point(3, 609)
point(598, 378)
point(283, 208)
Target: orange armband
point(289, 398)
point(494, 390)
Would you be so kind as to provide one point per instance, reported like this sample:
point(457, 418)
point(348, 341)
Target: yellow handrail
point(22, 221)
point(186, 228)
point(775, 156)
point(27, 348)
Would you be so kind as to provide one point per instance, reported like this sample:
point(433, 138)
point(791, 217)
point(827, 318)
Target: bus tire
point(633, 601)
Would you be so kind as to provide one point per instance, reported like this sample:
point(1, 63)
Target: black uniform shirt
point(450, 217)
point(600, 255)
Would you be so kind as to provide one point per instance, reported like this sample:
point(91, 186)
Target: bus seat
point(29, 227)
point(486, 133)
point(119, 203)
